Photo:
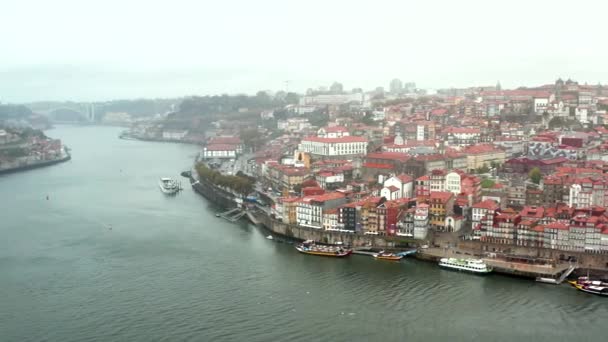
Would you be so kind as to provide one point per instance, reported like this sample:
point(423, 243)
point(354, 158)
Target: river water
point(169, 270)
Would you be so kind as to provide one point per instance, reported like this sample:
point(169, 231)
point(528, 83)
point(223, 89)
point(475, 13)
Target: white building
point(462, 136)
point(481, 209)
point(452, 182)
point(174, 134)
point(421, 221)
point(219, 151)
point(332, 99)
point(310, 210)
point(540, 104)
point(333, 132)
point(330, 219)
point(578, 198)
point(343, 146)
point(403, 183)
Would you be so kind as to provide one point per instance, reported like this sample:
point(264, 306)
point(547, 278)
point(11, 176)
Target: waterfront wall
point(597, 261)
point(36, 165)
point(332, 237)
point(214, 194)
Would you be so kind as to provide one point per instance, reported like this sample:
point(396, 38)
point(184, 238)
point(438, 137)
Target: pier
point(233, 215)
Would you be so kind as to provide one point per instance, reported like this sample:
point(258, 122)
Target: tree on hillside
point(487, 183)
point(251, 137)
point(483, 169)
point(292, 98)
point(535, 175)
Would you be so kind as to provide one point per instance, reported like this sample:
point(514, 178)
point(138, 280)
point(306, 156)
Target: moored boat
point(309, 247)
point(585, 284)
point(467, 265)
point(387, 256)
point(593, 289)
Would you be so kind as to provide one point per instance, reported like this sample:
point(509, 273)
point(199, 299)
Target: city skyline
point(109, 50)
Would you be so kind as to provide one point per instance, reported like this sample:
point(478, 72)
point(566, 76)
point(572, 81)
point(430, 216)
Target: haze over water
point(169, 270)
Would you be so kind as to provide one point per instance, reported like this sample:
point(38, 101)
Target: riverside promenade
point(530, 268)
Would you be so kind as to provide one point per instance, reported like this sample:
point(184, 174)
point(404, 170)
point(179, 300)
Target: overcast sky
point(106, 49)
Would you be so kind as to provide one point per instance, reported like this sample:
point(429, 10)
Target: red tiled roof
point(388, 156)
point(325, 197)
point(481, 148)
point(221, 147)
point(487, 204)
point(404, 178)
point(378, 166)
point(224, 140)
point(442, 196)
point(392, 188)
point(462, 130)
point(557, 225)
point(335, 129)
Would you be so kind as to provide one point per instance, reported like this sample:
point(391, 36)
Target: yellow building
point(441, 205)
point(483, 155)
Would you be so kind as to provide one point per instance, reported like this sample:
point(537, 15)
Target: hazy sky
point(105, 49)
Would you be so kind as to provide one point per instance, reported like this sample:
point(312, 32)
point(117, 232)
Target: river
point(169, 270)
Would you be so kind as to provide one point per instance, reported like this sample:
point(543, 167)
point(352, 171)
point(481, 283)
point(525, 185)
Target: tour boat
point(593, 289)
point(309, 247)
point(585, 284)
point(387, 256)
point(169, 185)
point(467, 265)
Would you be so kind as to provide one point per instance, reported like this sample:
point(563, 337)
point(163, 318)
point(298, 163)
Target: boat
point(217, 215)
point(269, 237)
point(593, 289)
point(309, 247)
point(382, 255)
point(169, 185)
point(468, 265)
point(585, 284)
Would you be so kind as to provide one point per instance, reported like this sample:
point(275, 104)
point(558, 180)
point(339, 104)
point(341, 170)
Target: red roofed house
point(503, 230)
point(462, 136)
point(329, 178)
point(387, 213)
point(423, 188)
point(481, 209)
point(483, 155)
point(309, 212)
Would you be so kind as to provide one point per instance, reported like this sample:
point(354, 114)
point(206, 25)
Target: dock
point(559, 280)
point(368, 251)
point(233, 215)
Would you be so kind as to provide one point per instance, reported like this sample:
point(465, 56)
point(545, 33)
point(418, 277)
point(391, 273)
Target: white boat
point(169, 185)
point(269, 237)
point(467, 265)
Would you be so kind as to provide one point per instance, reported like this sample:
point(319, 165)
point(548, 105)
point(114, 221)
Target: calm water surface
point(169, 270)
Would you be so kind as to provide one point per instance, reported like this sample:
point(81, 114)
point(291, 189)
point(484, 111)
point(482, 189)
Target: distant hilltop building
point(396, 86)
point(332, 99)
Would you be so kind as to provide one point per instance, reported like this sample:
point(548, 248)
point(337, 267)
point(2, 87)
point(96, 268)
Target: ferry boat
point(585, 284)
point(467, 265)
point(387, 256)
point(309, 247)
point(169, 185)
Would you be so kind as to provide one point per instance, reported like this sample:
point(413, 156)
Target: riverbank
point(126, 136)
point(35, 165)
point(551, 268)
